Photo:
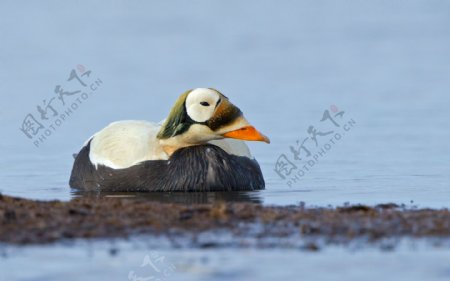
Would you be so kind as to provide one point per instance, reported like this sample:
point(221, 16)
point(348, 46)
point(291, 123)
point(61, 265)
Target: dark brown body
point(195, 168)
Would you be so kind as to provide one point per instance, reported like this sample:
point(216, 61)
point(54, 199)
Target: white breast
point(233, 146)
point(123, 144)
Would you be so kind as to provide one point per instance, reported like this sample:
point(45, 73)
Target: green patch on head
point(177, 122)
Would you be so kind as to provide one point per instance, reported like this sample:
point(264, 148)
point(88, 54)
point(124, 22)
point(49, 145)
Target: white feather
point(125, 143)
point(201, 103)
point(233, 146)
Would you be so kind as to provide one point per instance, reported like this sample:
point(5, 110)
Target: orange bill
point(248, 133)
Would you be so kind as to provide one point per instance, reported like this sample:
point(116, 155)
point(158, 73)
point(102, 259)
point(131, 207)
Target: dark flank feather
point(196, 168)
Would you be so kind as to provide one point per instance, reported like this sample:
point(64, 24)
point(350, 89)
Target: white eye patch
point(201, 103)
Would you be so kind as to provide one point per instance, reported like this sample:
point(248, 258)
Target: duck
point(199, 147)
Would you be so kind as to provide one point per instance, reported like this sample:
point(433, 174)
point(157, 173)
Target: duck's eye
point(204, 103)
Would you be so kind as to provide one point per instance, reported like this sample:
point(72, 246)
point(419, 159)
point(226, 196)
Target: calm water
point(386, 65)
point(117, 260)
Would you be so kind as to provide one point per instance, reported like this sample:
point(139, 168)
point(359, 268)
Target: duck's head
point(202, 115)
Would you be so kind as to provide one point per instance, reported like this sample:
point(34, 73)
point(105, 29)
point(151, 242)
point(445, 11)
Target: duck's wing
point(125, 143)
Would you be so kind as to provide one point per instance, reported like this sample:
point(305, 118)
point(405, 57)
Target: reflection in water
point(178, 197)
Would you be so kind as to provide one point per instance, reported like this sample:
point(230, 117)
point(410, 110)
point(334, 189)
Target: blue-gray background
point(385, 63)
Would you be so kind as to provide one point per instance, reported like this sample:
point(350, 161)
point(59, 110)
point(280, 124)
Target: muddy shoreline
point(25, 221)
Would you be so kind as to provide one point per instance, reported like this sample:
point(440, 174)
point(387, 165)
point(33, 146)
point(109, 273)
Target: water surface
point(385, 65)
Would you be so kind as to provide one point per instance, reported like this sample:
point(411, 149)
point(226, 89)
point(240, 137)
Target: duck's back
point(125, 143)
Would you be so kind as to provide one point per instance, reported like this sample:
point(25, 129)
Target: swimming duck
point(198, 147)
